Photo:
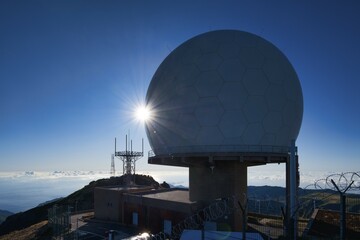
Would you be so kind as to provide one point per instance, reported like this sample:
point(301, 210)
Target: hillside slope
point(4, 214)
point(83, 199)
point(39, 231)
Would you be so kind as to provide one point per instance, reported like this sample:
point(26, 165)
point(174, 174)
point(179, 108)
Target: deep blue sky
point(72, 71)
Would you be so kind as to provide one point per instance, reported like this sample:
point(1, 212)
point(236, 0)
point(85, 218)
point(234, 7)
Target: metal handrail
point(201, 149)
point(127, 153)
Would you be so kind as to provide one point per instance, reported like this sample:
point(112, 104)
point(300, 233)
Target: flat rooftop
point(174, 195)
point(126, 188)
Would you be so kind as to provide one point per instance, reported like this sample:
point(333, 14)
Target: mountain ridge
point(4, 214)
point(82, 199)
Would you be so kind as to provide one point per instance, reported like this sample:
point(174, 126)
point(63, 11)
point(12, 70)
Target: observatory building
point(221, 102)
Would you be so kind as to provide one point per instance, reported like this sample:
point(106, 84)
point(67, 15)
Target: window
point(167, 227)
point(135, 218)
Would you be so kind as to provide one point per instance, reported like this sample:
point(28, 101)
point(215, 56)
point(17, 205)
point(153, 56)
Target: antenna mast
point(129, 158)
point(112, 169)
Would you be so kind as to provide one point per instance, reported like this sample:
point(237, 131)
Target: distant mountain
point(266, 192)
point(4, 214)
point(177, 186)
point(83, 199)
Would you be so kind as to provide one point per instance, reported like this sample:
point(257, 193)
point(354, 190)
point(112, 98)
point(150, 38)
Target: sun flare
point(143, 113)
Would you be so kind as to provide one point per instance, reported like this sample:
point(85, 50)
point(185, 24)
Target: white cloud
point(40, 175)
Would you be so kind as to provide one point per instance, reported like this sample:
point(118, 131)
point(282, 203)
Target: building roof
point(127, 188)
point(174, 199)
point(173, 194)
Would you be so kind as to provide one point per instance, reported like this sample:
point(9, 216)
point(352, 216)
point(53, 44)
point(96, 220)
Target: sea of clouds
point(24, 190)
point(20, 191)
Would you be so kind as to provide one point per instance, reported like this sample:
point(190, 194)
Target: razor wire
point(350, 180)
point(225, 206)
point(342, 180)
point(212, 212)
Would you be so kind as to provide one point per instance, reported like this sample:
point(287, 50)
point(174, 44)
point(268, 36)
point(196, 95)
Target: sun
point(142, 113)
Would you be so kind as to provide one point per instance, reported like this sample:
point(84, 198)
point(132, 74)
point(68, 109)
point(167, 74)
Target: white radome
point(224, 91)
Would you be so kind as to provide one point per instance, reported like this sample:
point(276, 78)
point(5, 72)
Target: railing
point(201, 149)
point(128, 153)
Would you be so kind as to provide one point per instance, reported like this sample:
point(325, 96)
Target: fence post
point(285, 222)
point(293, 191)
point(244, 217)
point(342, 209)
point(343, 216)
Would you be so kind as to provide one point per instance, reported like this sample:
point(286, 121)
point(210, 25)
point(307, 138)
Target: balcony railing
point(201, 149)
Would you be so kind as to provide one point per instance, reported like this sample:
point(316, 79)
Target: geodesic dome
point(224, 91)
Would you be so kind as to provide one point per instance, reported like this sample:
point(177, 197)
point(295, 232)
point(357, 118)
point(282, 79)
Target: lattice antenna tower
point(112, 169)
point(129, 158)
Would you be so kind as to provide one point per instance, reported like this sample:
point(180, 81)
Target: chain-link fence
point(319, 216)
point(59, 221)
point(327, 209)
point(321, 212)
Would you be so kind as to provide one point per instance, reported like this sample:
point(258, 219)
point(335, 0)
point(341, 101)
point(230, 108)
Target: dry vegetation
point(33, 232)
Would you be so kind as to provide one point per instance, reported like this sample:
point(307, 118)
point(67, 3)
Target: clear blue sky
point(72, 71)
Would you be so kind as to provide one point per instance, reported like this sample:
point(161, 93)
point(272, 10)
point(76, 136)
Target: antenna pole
point(112, 169)
point(142, 146)
point(129, 158)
